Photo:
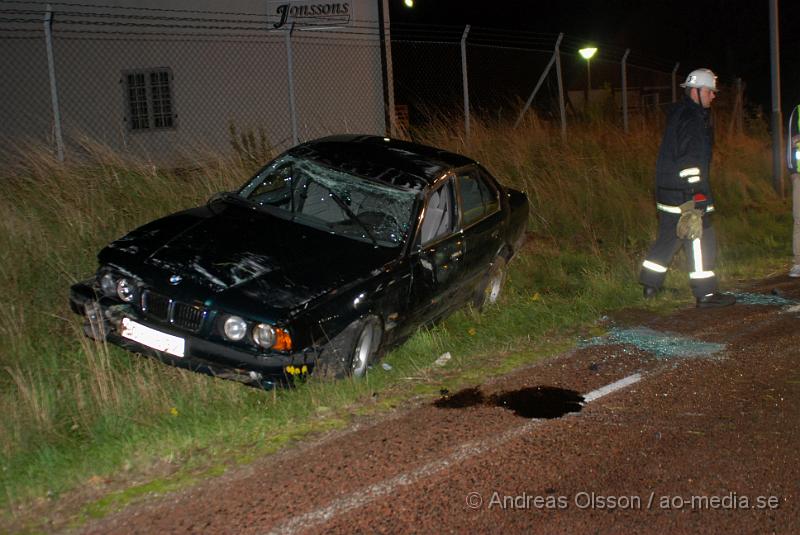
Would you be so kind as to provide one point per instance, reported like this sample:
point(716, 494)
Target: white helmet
point(701, 78)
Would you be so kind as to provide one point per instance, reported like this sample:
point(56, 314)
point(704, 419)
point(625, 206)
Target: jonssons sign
point(313, 13)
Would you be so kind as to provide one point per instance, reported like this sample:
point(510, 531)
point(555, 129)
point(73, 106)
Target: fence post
point(464, 80)
point(561, 105)
point(674, 82)
point(290, 78)
point(625, 90)
point(51, 69)
point(538, 84)
point(389, 70)
point(777, 119)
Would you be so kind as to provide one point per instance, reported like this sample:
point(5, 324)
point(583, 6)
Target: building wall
point(228, 68)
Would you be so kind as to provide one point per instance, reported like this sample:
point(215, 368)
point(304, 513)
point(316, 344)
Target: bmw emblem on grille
point(175, 279)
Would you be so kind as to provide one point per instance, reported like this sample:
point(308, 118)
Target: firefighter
point(683, 195)
point(792, 157)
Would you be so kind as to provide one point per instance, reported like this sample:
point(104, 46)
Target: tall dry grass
point(595, 188)
point(55, 218)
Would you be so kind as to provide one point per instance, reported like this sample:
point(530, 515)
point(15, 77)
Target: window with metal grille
point(148, 95)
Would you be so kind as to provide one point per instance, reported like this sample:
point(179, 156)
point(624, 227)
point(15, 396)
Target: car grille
point(161, 308)
point(155, 306)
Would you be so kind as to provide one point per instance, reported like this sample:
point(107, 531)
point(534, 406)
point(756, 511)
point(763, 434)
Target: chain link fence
point(167, 84)
point(25, 105)
point(508, 73)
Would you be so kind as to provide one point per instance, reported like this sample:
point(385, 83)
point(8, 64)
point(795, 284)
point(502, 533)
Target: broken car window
point(336, 201)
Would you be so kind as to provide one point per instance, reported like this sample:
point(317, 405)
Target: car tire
point(489, 291)
point(351, 351)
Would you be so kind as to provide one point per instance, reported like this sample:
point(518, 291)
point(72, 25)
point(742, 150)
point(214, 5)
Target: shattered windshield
point(345, 204)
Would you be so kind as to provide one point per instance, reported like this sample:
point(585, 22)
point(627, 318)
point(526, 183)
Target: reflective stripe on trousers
point(697, 255)
point(658, 268)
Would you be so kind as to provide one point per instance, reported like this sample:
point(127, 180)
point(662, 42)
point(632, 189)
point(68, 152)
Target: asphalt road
point(682, 424)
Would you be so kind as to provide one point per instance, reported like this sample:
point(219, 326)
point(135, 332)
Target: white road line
point(470, 449)
point(613, 387)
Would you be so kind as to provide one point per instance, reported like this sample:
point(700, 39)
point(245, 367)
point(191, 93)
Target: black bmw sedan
point(334, 251)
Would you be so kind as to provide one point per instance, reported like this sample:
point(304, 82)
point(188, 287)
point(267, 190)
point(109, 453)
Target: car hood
point(233, 252)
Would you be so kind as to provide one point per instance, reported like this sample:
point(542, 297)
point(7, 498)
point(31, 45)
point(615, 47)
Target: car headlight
point(235, 328)
point(107, 285)
point(126, 290)
point(264, 335)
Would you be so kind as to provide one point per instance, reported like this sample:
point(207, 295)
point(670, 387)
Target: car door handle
point(456, 255)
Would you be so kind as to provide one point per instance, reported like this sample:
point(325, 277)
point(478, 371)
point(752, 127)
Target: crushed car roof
point(392, 161)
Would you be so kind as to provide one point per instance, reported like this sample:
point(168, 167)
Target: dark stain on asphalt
point(539, 401)
point(533, 402)
point(469, 397)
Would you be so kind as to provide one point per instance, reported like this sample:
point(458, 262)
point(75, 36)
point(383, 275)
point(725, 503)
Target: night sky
point(729, 36)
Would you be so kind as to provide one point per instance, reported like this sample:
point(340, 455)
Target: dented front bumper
point(103, 319)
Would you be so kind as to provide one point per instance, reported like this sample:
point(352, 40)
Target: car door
point(481, 224)
point(436, 262)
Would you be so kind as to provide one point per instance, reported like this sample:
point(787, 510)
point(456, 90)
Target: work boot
point(715, 300)
point(649, 292)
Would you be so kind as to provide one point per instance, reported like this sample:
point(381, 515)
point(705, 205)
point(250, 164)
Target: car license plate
point(174, 345)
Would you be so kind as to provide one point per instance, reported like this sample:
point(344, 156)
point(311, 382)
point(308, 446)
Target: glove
point(690, 224)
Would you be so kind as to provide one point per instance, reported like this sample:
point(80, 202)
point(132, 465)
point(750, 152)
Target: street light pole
point(588, 78)
point(587, 54)
point(777, 119)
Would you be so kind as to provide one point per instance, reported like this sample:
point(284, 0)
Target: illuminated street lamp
point(409, 3)
point(587, 54)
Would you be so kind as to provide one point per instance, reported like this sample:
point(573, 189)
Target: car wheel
point(351, 351)
point(489, 292)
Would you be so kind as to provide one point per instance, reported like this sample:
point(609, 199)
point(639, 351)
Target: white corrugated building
point(164, 78)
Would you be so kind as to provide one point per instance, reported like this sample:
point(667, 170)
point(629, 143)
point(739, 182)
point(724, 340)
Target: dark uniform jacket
point(685, 156)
